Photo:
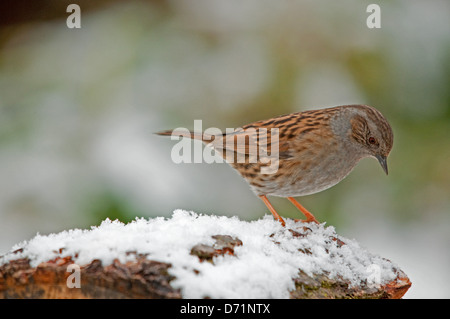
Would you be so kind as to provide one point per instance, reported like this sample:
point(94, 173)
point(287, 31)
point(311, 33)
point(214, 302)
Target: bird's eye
point(372, 140)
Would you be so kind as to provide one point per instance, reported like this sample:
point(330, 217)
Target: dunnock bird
point(315, 150)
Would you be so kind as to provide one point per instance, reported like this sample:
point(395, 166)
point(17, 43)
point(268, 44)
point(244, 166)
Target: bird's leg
point(272, 210)
point(309, 217)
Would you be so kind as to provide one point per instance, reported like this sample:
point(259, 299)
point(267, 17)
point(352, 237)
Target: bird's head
point(372, 134)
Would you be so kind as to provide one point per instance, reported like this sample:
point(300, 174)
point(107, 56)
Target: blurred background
point(78, 109)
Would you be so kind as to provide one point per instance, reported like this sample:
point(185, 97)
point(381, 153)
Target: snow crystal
point(263, 267)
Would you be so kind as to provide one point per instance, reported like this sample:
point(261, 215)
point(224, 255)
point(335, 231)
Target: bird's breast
point(310, 170)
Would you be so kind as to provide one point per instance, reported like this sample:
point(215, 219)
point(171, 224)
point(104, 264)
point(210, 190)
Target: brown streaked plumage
point(315, 150)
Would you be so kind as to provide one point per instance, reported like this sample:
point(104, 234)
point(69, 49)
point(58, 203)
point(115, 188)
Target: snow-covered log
point(198, 256)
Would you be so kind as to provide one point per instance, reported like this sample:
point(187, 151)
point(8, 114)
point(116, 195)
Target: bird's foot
point(309, 220)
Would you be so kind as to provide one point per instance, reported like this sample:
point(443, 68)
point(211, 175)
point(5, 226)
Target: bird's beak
point(383, 162)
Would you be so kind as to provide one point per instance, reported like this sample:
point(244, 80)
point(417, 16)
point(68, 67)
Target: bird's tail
point(184, 133)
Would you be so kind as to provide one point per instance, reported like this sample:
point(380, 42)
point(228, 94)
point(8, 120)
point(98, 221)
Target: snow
point(263, 267)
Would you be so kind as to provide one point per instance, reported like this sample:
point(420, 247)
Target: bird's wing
point(253, 140)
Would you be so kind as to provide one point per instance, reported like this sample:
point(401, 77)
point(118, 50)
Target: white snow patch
point(263, 267)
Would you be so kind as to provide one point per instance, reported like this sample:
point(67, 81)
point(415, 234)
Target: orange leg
point(272, 210)
point(309, 217)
